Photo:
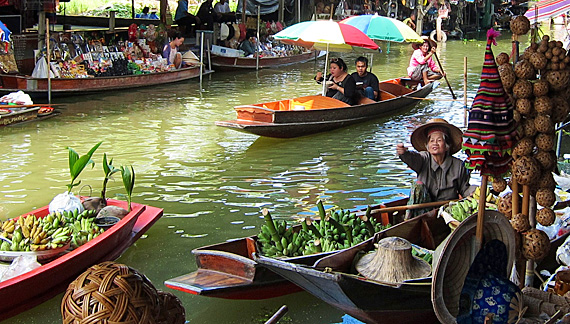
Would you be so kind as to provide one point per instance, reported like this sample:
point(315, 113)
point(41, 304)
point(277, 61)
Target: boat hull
point(25, 115)
point(227, 270)
point(226, 63)
point(72, 86)
point(293, 123)
point(33, 288)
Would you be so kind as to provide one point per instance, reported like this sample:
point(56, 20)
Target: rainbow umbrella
point(384, 28)
point(326, 35)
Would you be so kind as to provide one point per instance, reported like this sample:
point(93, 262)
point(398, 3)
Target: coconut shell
point(560, 109)
point(543, 105)
point(499, 184)
point(557, 80)
point(544, 141)
point(529, 130)
point(502, 58)
point(535, 244)
point(524, 106)
point(545, 159)
point(538, 60)
point(525, 70)
point(520, 222)
point(522, 88)
point(507, 75)
point(544, 124)
point(545, 197)
point(526, 170)
point(523, 147)
point(505, 205)
point(546, 181)
point(545, 216)
point(520, 25)
point(540, 88)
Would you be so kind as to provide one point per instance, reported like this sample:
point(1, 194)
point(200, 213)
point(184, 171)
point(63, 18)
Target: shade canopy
point(383, 28)
point(326, 35)
point(547, 9)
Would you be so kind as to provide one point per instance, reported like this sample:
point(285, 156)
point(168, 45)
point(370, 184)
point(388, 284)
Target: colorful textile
point(491, 132)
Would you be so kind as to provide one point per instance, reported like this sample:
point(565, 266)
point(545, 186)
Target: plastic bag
point(20, 265)
point(66, 201)
point(41, 69)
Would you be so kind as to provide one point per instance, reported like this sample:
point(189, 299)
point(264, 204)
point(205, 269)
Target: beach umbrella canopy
point(383, 28)
point(547, 9)
point(326, 35)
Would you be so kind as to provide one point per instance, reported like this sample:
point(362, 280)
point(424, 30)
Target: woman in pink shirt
point(422, 66)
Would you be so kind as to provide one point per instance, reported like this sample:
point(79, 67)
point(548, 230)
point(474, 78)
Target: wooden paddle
point(444, 76)
point(407, 207)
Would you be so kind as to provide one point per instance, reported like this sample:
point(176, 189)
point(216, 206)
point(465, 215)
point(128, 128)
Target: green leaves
point(128, 182)
point(109, 170)
point(77, 164)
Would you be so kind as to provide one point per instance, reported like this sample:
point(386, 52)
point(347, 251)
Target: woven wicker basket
point(115, 293)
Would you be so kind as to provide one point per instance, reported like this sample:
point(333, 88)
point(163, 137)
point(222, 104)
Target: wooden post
point(48, 58)
point(243, 9)
point(257, 35)
point(481, 215)
point(529, 273)
point(465, 108)
point(281, 15)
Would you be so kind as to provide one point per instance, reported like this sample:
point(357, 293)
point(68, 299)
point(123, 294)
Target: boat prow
point(314, 114)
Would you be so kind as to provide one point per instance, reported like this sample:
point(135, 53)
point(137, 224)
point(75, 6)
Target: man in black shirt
point(366, 82)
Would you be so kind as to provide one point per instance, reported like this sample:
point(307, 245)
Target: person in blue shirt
point(144, 14)
point(185, 19)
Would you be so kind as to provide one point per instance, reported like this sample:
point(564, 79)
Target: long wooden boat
point(313, 114)
point(33, 288)
point(230, 63)
point(37, 87)
point(25, 115)
point(332, 279)
point(227, 270)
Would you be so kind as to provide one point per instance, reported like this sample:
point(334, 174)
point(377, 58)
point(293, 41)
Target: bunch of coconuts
point(538, 86)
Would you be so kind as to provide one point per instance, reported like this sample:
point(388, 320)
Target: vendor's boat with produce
point(221, 62)
point(52, 277)
point(37, 87)
point(313, 114)
point(227, 270)
point(16, 114)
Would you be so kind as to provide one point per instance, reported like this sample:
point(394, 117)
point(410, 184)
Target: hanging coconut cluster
point(539, 86)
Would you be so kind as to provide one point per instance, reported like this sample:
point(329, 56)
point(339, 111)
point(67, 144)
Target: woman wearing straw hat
point(442, 175)
point(422, 66)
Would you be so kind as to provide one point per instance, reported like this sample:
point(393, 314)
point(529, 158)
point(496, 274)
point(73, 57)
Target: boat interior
point(388, 90)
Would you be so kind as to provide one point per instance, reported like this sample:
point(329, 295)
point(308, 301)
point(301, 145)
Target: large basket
point(115, 293)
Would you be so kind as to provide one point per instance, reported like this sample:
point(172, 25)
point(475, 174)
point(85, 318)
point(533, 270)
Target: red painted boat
point(72, 86)
point(231, 63)
point(33, 288)
point(227, 270)
point(313, 114)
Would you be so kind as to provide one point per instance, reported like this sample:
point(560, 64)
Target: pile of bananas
point(338, 230)
point(464, 208)
point(32, 233)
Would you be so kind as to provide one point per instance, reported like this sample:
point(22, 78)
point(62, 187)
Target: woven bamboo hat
point(393, 262)
point(420, 135)
point(415, 46)
point(452, 266)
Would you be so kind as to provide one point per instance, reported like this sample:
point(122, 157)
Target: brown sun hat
point(415, 46)
point(420, 135)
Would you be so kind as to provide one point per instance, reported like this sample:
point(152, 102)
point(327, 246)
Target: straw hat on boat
point(419, 137)
point(393, 262)
point(454, 261)
point(415, 46)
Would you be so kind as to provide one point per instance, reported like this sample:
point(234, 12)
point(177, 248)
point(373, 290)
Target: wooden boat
point(36, 87)
point(25, 115)
point(333, 280)
point(232, 63)
point(32, 288)
point(227, 270)
point(313, 114)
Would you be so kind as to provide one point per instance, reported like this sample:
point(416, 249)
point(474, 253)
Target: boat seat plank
point(204, 279)
point(395, 89)
point(225, 262)
point(385, 95)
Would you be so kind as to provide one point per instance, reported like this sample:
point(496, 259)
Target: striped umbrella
point(383, 28)
point(547, 9)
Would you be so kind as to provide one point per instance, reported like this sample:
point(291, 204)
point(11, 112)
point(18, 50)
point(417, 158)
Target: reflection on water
point(212, 182)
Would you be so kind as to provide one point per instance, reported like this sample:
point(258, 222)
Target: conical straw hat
point(393, 262)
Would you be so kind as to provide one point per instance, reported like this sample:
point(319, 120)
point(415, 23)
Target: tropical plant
point(128, 182)
point(77, 164)
point(109, 170)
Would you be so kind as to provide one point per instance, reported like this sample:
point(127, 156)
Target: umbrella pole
point(444, 76)
point(325, 72)
point(481, 215)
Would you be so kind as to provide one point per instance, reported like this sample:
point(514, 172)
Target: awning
point(547, 9)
